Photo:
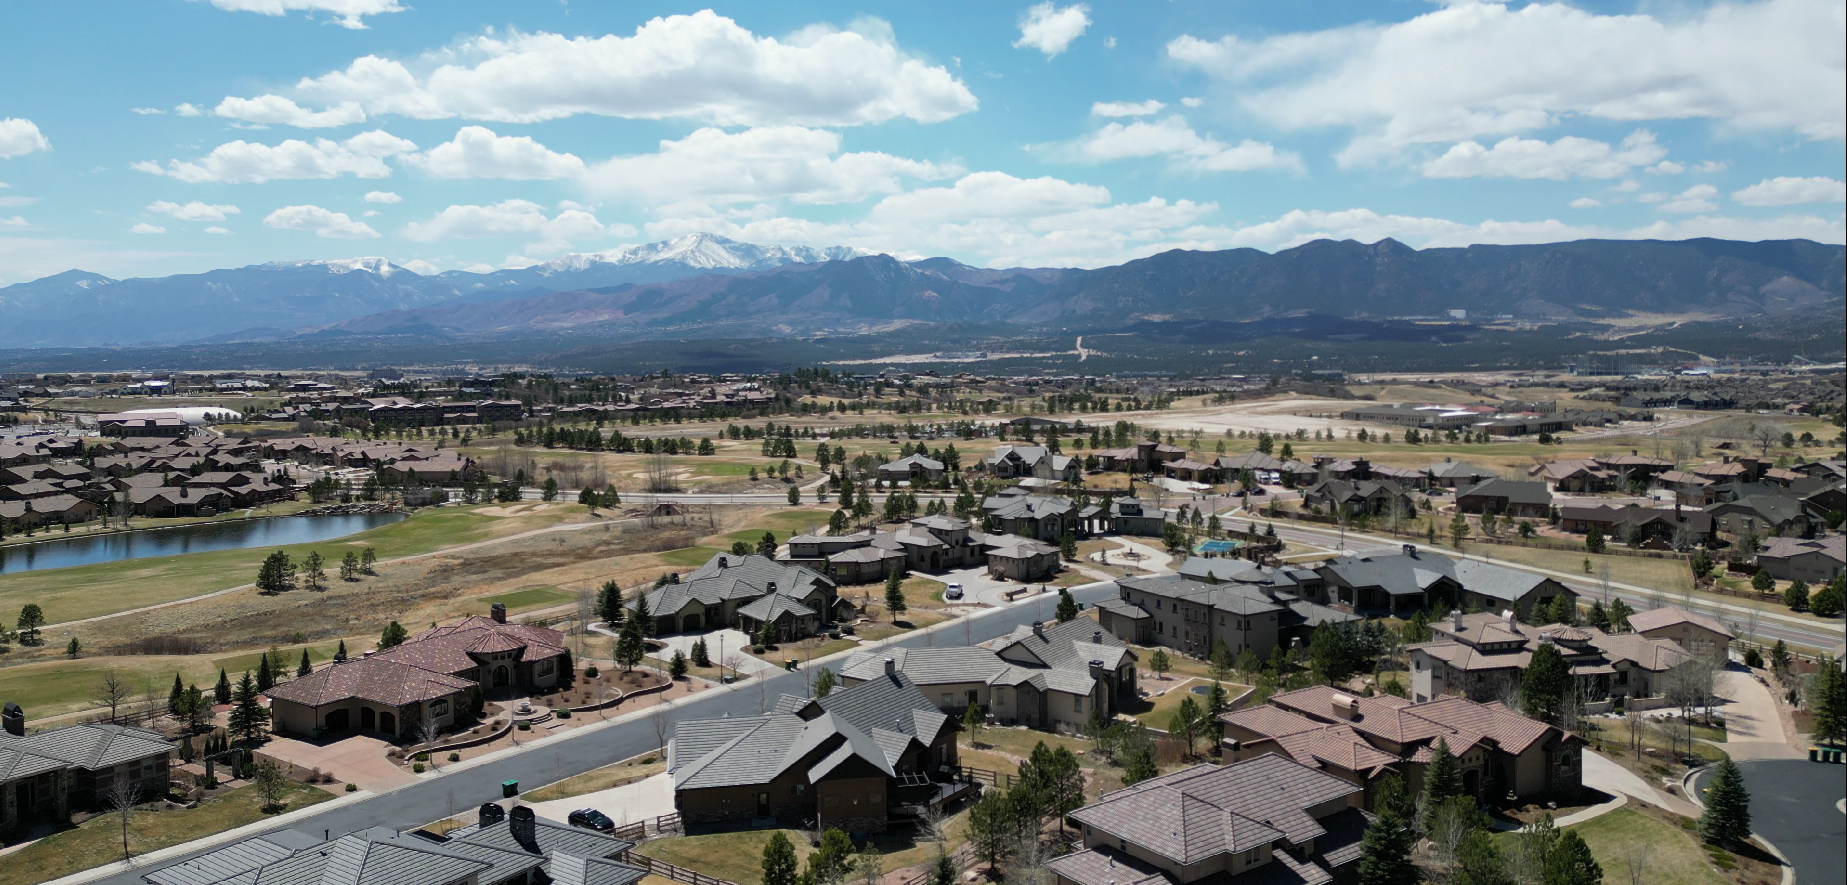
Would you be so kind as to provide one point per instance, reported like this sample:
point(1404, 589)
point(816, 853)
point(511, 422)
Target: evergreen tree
point(248, 714)
point(276, 574)
point(677, 666)
point(1138, 764)
point(609, 603)
point(990, 828)
point(340, 653)
point(629, 646)
point(392, 636)
point(221, 693)
point(973, 722)
point(1569, 862)
point(1727, 818)
point(779, 861)
point(349, 566)
point(367, 559)
point(1159, 663)
point(174, 696)
point(312, 572)
point(1619, 616)
point(1067, 607)
point(644, 619)
point(1545, 683)
point(1564, 610)
point(701, 656)
point(1797, 596)
point(1593, 540)
point(766, 546)
point(824, 683)
point(1828, 703)
point(1598, 617)
point(306, 667)
point(942, 871)
point(831, 863)
point(1442, 781)
point(265, 679)
point(1385, 850)
point(894, 594)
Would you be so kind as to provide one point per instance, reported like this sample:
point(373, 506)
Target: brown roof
point(372, 679)
point(450, 649)
point(1338, 746)
point(1270, 721)
point(1206, 811)
point(1512, 731)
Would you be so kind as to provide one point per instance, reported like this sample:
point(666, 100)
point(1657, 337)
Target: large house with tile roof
point(1699, 633)
point(1412, 580)
point(1268, 819)
point(46, 776)
point(427, 678)
point(734, 591)
point(1478, 656)
point(1246, 606)
point(926, 544)
point(851, 760)
point(1032, 462)
point(1047, 676)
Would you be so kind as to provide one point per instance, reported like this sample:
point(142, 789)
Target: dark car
point(591, 819)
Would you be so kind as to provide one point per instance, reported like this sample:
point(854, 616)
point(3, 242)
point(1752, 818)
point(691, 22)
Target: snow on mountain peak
point(370, 264)
point(703, 250)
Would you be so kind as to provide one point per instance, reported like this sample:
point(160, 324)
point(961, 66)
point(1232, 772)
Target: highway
point(437, 796)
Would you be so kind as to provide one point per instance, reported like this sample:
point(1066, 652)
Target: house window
point(439, 707)
point(949, 700)
point(833, 800)
point(1077, 704)
point(546, 667)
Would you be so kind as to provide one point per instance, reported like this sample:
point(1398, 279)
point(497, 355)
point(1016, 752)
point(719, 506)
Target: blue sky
point(163, 136)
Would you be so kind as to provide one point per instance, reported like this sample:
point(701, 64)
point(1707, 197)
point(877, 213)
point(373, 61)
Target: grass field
point(1673, 855)
point(530, 598)
point(1157, 713)
point(738, 857)
point(99, 840)
point(88, 591)
point(609, 776)
point(54, 687)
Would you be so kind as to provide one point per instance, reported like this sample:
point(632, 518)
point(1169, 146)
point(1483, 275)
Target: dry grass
point(608, 777)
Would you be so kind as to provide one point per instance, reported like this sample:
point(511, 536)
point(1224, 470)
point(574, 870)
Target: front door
point(500, 676)
point(368, 720)
point(388, 723)
point(763, 805)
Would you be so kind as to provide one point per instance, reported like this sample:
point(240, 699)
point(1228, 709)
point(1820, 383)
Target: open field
point(99, 840)
point(1673, 855)
point(608, 777)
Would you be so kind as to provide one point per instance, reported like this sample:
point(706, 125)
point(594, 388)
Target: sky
point(174, 136)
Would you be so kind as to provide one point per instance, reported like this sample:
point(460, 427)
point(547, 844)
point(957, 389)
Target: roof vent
point(891, 666)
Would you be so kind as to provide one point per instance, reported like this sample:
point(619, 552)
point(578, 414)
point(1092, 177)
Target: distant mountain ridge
point(707, 286)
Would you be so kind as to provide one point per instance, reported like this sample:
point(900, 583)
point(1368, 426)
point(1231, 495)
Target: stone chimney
point(1345, 706)
point(13, 720)
point(492, 814)
point(1039, 629)
point(524, 827)
point(498, 612)
point(891, 666)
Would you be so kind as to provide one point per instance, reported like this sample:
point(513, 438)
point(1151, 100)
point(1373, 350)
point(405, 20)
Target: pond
point(231, 535)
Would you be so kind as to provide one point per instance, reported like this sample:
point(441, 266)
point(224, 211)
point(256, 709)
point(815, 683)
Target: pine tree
point(265, 679)
point(312, 572)
point(702, 657)
point(1797, 596)
point(221, 693)
point(973, 722)
point(677, 666)
point(1545, 683)
point(629, 646)
point(1067, 607)
point(176, 695)
point(609, 603)
point(824, 683)
point(1569, 861)
point(1442, 780)
point(248, 715)
point(644, 619)
point(1159, 663)
point(779, 861)
point(1727, 818)
point(367, 559)
point(894, 594)
point(349, 566)
point(1829, 703)
point(392, 636)
point(306, 667)
point(340, 653)
point(1598, 617)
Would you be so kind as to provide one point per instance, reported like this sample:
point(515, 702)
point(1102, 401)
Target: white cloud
point(476, 152)
point(347, 13)
point(145, 228)
point(20, 137)
point(215, 229)
point(363, 155)
point(1586, 203)
point(1693, 200)
point(1655, 197)
point(419, 266)
point(1193, 102)
point(1109, 43)
point(17, 201)
point(1790, 191)
point(511, 218)
point(186, 109)
point(771, 162)
point(324, 223)
point(1174, 139)
point(17, 222)
point(1667, 167)
point(479, 267)
point(274, 109)
point(1126, 108)
point(193, 211)
point(1629, 186)
point(1050, 29)
point(382, 197)
point(146, 111)
point(1472, 69)
point(701, 66)
point(1707, 167)
point(1530, 158)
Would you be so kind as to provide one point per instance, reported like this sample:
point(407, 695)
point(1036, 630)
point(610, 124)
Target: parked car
point(591, 819)
point(954, 591)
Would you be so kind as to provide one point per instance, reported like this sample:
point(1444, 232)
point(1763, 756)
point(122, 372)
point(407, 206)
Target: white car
point(953, 592)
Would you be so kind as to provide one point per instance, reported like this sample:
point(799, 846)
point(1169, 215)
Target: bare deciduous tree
point(663, 726)
point(121, 796)
point(1633, 855)
point(112, 690)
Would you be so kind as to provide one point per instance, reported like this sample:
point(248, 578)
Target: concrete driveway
point(732, 643)
point(977, 587)
point(1753, 724)
point(358, 760)
point(1794, 806)
point(1148, 558)
point(642, 800)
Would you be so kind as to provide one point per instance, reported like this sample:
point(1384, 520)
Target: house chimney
point(1039, 629)
point(1455, 620)
point(523, 827)
point(1507, 617)
point(1096, 636)
point(13, 720)
point(492, 814)
point(499, 612)
point(1410, 549)
point(1345, 706)
point(722, 562)
point(772, 586)
point(891, 667)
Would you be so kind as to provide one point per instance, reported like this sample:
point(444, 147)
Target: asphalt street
point(436, 797)
point(1794, 806)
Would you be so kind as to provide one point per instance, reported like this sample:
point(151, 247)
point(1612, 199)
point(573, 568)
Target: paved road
point(582, 750)
point(1793, 806)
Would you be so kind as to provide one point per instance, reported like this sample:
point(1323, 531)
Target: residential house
point(1702, 635)
point(1505, 497)
point(1640, 526)
point(1815, 562)
point(1252, 609)
point(1574, 476)
point(48, 775)
point(1264, 820)
point(927, 544)
point(1458, 474)
point(1040, 517)
point(1414, 580)
point(1771, 515)
point(1371, 497)
point(1480, 656)
point(712, 596)
point(917, 470)
point(851, 760)
point(1146, 456)
point(1032, 462)
point(1047, 676)
point(1129, 516)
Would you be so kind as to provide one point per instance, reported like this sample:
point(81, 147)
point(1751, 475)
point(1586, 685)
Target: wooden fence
point(639, 830)
point(674, 871)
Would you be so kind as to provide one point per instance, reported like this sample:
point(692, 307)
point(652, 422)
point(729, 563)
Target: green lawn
point(1675, 856)
point(734, 857)
point(54, 687)
point(99, 840)
point(689, 557)
point(530, 598)
point(1157, 713)
point(105, 588)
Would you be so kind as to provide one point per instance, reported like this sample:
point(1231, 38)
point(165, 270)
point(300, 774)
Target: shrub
point(352, 788)
point(455, 757)
point(564, 714)
point(590, 671)
point(417, 767)
point(421, 757)
point(1753, 659)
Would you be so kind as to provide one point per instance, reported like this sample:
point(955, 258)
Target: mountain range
point(707, 286)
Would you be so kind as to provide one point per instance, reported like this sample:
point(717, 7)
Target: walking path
point(1603, 773)
point(1753, 722)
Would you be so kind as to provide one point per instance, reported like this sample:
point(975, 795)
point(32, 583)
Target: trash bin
point(1814, 754)
point(788, 664)
point(509, 789)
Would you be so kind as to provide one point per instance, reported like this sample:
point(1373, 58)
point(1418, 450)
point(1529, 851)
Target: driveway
point(642, 800)
point(732, 644)
point(1793, 806)
point(1753, 725)
point(1605, 774)
point(1148, 557)
point(977, 587)
point(357, 760)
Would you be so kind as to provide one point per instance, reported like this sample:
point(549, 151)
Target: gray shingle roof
point(727, 577)
point(92, 745)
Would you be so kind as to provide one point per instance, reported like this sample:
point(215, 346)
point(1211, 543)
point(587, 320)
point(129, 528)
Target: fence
point(999, 779)
point(639, 830)
point(675, 872)
point(963, 858)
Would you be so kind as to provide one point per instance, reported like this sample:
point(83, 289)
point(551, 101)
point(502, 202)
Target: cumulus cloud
point(146, 111)
point(16, 201)
point(186, 109)
point(346, 13)
point(510, 218)
point(363, 156)
point(324, 223)
point(716, 167)
point(1174, 139)
point(1785, 191)
point(193, 211)
point(1565, 158)
point(1695, 199)
point(1051, 29)
point(382, 197)
point(20, 137)
point(701, 66)
point(268, 109)
point(419, 266)
point(145, 228)
point(1586, 203)
point(1667, 167)
point(17, 222)
point(215, 229)
point(1707, 167)
point(476, 152)
point(1126, 108)
point(1469, 70)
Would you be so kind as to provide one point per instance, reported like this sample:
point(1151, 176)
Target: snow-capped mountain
point(709, 252)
